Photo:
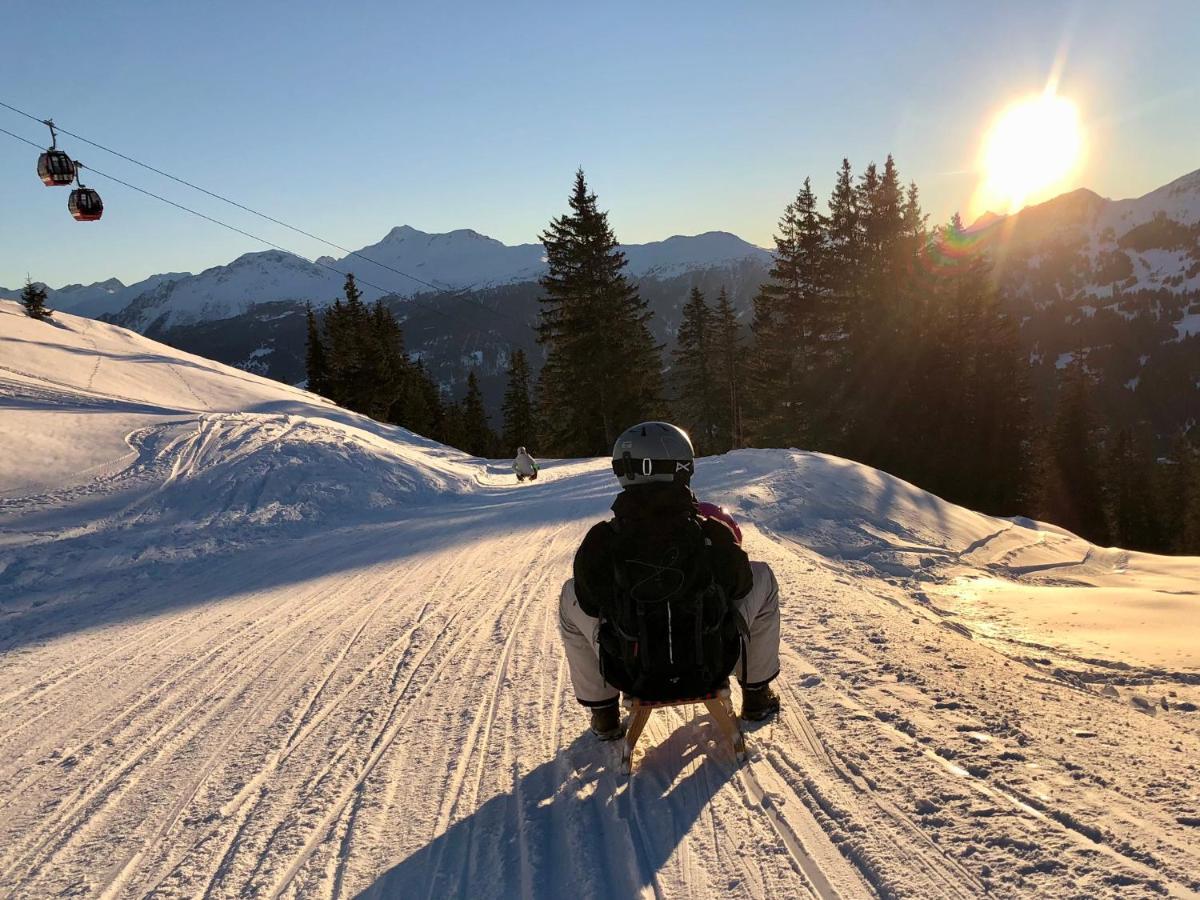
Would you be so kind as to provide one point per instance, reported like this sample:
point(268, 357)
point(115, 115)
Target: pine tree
point(358, 372)
point(33, 296)
point(970, 396)
point(999, 442)
point(1130, 482)
point(477, 436)
point(453, 425)
point(339, 346)
point(424, 410)
point(1178, 505)
point(316, 365)
point(519, 427)
point(1070, 483)
point(882, 338)
point(793, 318)
point(348, 345)
point(727, 373)
point(845, 353)
point(603, 371)
point(1189, 535)
point(693, 374)
point(387, 366)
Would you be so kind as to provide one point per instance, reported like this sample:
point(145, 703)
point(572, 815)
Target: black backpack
point(668, 630)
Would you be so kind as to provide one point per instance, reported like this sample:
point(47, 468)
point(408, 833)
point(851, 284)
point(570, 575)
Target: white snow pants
point(759, 609)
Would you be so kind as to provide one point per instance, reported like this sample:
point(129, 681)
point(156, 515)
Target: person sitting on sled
point(664, 603)
point(524, 465)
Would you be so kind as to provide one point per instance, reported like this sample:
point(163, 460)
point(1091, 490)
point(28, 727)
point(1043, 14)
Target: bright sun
point(1031, 149)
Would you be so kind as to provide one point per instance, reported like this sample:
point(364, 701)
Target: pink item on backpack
point(712, 511)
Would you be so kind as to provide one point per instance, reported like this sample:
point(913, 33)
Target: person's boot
point(759, 703)
point(606, 721)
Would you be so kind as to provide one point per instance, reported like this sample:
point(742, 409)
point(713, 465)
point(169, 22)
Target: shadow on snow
point(572, 827)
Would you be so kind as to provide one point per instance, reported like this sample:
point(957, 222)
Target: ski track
point(402, 725)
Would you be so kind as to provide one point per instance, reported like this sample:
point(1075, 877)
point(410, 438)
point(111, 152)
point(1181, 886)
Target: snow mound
point(842, 509)
point(243, 470)
point(93, 409)
point(1027, 586)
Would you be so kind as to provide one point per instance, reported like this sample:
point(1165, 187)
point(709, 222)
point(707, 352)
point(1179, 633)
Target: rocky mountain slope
point(1116, 285)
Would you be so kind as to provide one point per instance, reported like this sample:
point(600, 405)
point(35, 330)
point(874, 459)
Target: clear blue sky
point(349, 118)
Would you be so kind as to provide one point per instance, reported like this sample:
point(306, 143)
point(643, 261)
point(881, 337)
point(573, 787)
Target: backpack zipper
point(670, 636)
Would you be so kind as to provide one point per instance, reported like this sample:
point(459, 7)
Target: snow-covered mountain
point(101, 298)
point(1116, 285)
point(462, 259)
point(681, 254)
point(457, 259)
point(252, 644)
point(1146, 243)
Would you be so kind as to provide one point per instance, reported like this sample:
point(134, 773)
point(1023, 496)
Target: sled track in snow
point(179, 729)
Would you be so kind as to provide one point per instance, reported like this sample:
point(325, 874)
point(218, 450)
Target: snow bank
point(1027, 585)
point(235, 471)
point(839, 508)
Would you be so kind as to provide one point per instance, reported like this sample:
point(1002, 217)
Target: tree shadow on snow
point(574, 826)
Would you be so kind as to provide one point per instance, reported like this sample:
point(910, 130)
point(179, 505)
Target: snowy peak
point(400, 233)
point(1179, 201)
point(680, 253)
point(455, 259)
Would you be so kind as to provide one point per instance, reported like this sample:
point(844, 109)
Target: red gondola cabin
point(55, 168)
point(85, 205)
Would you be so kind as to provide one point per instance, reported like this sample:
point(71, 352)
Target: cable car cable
point(255, 237)
point(262, 215)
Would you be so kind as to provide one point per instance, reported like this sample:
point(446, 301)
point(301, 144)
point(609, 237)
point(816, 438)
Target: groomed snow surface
point(252, 645)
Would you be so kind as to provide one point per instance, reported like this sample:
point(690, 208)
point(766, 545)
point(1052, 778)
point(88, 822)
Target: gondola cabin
point(55, 168)
point(85, 205)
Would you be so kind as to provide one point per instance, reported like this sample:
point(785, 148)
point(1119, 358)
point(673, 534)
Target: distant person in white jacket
point(524, 465)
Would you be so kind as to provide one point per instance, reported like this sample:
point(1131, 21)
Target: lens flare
point(1031, 149)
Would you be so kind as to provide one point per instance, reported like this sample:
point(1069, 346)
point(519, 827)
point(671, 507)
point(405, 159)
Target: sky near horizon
point(348, 119)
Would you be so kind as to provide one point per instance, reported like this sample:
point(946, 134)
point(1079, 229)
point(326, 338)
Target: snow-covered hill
point(255, 645)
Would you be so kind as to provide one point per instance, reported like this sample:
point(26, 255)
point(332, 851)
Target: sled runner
point(718, 705)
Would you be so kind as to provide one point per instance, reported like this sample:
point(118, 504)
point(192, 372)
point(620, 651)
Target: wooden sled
point(718, 705)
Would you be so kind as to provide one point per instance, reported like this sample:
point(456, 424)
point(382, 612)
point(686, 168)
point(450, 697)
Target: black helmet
point(653, 452)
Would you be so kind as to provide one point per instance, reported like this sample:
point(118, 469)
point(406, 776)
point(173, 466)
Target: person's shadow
point(574, 826)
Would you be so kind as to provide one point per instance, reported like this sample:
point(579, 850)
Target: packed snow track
point(252, 645)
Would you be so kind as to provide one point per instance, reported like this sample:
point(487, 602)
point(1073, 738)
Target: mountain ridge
point(454, 260)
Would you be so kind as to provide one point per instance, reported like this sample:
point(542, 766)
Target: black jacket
point(646, 505)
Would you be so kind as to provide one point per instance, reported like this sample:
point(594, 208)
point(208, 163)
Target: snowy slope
point(254, 645)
